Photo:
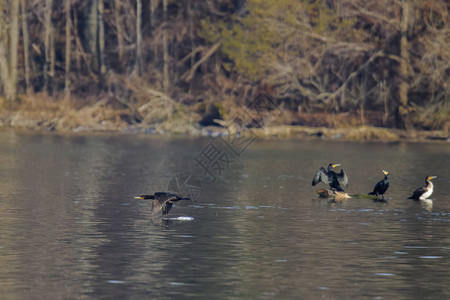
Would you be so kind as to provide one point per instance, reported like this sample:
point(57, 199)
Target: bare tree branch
point(188, 76)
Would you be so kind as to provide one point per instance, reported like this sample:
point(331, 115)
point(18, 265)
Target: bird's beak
point(431, 177)
point(336, 165)
point(139, 197)
point(385, 172)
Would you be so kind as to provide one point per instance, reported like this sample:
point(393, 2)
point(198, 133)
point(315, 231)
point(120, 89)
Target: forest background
point(181, 65)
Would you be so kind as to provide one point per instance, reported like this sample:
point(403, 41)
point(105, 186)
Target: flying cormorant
point(161, 201)
point(381, 186)
point(331, 178)
point(424, 192)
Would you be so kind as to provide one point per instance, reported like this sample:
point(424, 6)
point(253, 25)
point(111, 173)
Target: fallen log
point(333, 195)
point(339, 196)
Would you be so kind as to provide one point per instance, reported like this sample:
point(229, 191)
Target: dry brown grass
point(108, 114)
point(368, 133)
point(434, 116)
point(338, 120)
point(40, 111)
point(362, 133)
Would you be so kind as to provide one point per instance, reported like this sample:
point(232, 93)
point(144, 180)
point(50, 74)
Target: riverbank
point(93, 119)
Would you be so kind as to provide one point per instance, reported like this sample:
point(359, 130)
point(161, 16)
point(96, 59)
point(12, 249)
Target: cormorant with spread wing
point(162, 201)
point(331, 178)
point(381, 186)
point(424, 192)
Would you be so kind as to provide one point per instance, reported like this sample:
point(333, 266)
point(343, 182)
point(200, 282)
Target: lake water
point(70, 228)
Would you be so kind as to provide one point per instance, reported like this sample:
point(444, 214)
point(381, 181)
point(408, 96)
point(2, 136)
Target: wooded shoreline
point(32, 122)
point(172, 65)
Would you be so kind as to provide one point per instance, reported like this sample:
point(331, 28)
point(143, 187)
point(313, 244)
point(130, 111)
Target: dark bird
point(424, 192)
point(331, 178)
point(162, 201)
point(381, 186)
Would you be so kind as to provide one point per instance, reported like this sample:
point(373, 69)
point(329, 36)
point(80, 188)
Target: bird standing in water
point(331, 178)
point(162, 201)
point(424, 192)
point(381, 186)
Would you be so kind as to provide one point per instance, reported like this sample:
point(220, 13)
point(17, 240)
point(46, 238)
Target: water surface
point(70, 228)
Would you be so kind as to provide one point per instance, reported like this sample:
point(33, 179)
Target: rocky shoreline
point(19, 120)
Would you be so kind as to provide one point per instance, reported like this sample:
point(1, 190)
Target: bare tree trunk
point(26, 45)
point(386, 107)
point(119, 29)
point(153, 5)
point(88, 32)
point(4, 65)
point(78, 48)
point(165, 49)
point(191, 37)
point(83, 44)
point(14, 38)
point(362, 105)
point(137, 66)
point(4, 61)
point(403, 88)
point(52, 86)
point(48, 24)
point(101, 39)
point(68, 50)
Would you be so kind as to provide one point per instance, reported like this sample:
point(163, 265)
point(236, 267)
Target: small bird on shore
point(331, 178)
point(162, 201)
point(424, 192)
point(381, 186)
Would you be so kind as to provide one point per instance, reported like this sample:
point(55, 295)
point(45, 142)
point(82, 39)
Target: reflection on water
point(70, 228)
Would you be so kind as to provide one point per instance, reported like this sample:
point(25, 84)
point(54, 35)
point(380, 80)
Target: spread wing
point(160, 203)
point(156, 206)
point(321, 175)
point(164, 201)
point(166, 207)
point(168, 197)
point(342, 177)
point(164, 196)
